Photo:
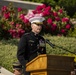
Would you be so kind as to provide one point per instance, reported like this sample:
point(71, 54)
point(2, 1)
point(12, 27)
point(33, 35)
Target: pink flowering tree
point(56, 22)
point(14, 22)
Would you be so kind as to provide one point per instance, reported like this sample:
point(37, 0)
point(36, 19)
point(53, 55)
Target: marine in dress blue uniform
point(31, 45)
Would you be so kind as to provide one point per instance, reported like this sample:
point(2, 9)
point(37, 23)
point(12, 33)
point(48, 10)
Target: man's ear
point(31, 25)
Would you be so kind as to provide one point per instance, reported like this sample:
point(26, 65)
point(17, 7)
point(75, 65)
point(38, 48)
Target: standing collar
point(34, 34)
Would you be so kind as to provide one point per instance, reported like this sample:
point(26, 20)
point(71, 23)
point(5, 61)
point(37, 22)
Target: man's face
point(36, 28)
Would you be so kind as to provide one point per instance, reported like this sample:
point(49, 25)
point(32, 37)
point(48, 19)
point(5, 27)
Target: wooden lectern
point(50, 65)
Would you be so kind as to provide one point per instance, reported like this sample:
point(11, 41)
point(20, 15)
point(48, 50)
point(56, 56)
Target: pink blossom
point(61, 11)
point(65, 19)
point(12, 23)
point(16, 33)
point(6, 15)
point(47, 8)
point(13, 32)
point(17, 25)
point(4, 8)
point(49, 21)
point(25, 20)
point(21, 16)
point(54, 27)
point(57, 18)
point(34, 11)
point(19, 9)
point(43, 6)
point(55, 13)
point(46, 13)
point(68, 26)
point(20, 33)
point(63, 31)
point(39, 8)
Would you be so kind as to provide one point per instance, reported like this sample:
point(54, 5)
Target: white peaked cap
point(36, 19)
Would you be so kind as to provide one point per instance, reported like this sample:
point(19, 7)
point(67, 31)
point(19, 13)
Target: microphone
point(53, 46)
point(47, 41)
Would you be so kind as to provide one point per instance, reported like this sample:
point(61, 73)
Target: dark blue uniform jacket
point(30, 46)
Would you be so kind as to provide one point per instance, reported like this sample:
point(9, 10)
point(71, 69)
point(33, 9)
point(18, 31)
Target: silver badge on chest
point(41, 43)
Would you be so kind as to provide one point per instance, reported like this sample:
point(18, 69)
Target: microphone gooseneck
point(53, 46)
point(47, 41)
